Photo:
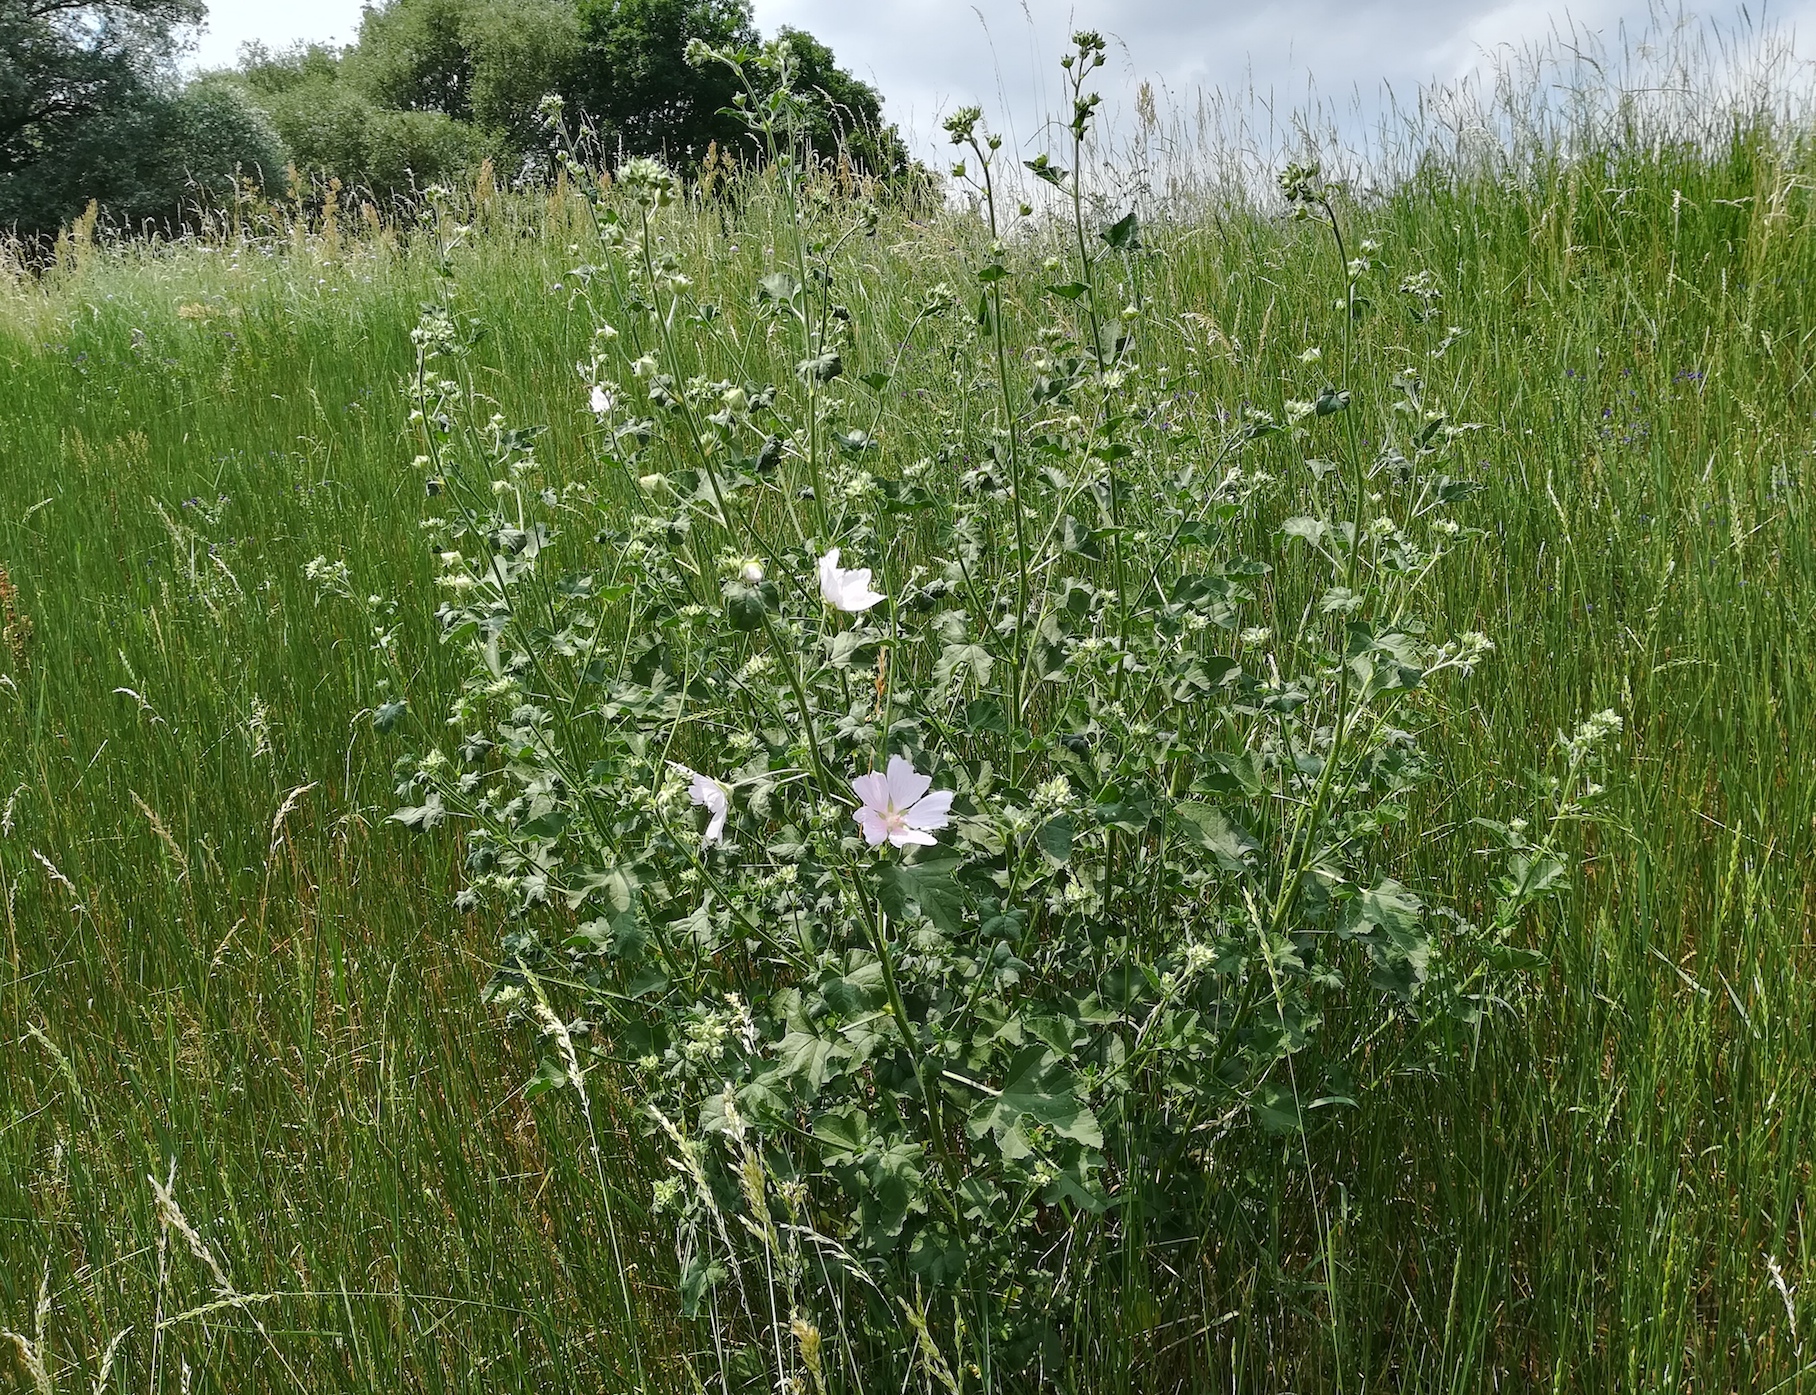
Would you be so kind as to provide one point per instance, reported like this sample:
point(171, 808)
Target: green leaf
point(1312, 530)
point(1231, 773)
point(844, 1131)
point(745, 604)
point(895, 1189)
point(550, 1075)
point(1509, 959)
point(1124, 235)
point(1055, 840)
point(424, 816)
point(822, 368)
point(974, 658)
point(1039, 1088)
point(699, 1276)
point(1276, 1109)
point(388, 715)
point(809, 1057)
point(1071, 290)
point(923, 888)
point(1213, 830)
point(778, 286)
point(1077, 538)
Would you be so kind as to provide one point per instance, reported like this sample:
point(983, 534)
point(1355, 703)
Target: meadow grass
point(219, 958)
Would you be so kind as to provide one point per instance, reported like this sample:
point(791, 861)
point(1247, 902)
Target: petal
point(932, 812)
point(715, 827)
point(906, 784)
point(904, 837)
point(829, 577)
point(873, 790)
point(875, 830)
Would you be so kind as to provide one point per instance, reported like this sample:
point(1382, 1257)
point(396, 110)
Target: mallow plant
point(945, 859)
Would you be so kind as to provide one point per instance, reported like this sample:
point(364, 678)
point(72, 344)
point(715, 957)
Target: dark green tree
point(333, 126)
point(63, 62)
point(90, 109)
point(638, 88)
point(842, 112)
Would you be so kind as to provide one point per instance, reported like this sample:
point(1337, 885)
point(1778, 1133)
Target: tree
point(63, 62)
point(333, 126)
point(90, 109)
point(843, 113)
point(636, 84)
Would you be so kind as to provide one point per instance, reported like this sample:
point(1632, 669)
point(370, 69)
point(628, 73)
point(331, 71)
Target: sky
point(929, 56)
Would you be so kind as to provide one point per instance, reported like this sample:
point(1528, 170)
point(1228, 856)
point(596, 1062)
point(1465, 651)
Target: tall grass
point(218, 957)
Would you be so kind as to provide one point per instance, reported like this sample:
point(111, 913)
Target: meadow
point(228, 976)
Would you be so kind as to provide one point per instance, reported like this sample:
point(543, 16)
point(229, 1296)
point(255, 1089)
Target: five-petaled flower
point(601, 401)
point(846, 590)
point(709, 794)
point(895, 805)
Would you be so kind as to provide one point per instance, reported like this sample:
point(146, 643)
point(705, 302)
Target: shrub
point(945, 913)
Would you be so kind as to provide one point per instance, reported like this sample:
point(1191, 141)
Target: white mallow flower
point(601, 401)
point(846, 590)
point(895, 805)
point(707, 793)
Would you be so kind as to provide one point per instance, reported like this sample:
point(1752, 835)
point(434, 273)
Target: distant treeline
point(92, 107)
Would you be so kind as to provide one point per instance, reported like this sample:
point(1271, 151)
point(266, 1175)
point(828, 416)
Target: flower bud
point(751, 572)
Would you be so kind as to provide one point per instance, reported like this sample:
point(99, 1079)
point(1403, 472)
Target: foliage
point(923, 1058)
point(636, 82)
point(433, 86)
point(1607, 1192)
point(89, 111)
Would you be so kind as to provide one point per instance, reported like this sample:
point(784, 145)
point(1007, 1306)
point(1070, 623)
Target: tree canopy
point(90, 108)
point(91, 105)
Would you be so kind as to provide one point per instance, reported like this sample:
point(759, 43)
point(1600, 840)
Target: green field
point(220, 958)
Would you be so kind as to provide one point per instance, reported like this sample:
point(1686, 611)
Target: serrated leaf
point(745, 605)
point(1276, 1109)
point(923, 888)
point(809, 1057)
point(1038, 1087)
point(424, 816)
point(1075, 537)
point(1213, 830)
point(822, 368)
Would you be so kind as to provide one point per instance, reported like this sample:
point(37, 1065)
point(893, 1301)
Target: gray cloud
point(929, 56)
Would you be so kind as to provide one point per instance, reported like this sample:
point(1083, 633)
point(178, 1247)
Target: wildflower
point(751, 573)
point(707, 793)
point(601, 401)
point(896, 805)
point(846, 590)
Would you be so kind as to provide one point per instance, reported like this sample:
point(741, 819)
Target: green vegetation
point(89, 110)
point(219, 956)
point(92, 106)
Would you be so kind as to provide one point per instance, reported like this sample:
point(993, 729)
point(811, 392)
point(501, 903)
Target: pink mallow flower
point(707, 793)
point(895, 805)
point(846, 590)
